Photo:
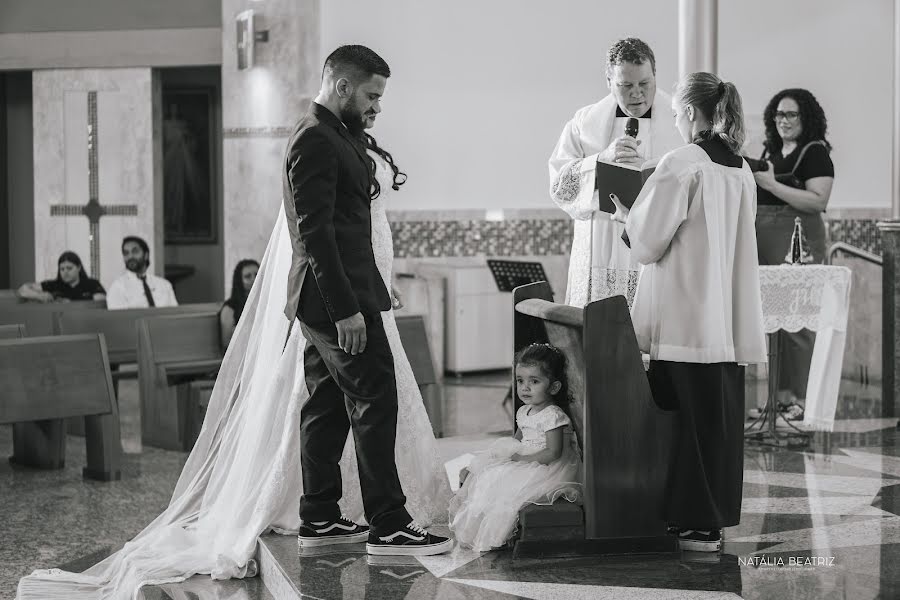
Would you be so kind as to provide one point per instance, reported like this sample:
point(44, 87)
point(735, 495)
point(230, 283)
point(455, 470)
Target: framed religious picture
point(189, 189)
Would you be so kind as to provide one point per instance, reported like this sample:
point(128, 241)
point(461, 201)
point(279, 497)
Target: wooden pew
point(625, 438)
point(415, 343)
point(23, 433)
point(173, 351)
point(178, 352)
point(47, 379)
point(119, 328)
point(38, 317)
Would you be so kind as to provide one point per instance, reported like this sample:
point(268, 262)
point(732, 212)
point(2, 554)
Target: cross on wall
point(93, 210)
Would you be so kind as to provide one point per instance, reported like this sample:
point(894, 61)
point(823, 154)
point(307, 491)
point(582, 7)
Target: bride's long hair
point(399, 176)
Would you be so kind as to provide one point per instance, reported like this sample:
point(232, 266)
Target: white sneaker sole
point(429, 550)
point(698, 546)
point(331, 540)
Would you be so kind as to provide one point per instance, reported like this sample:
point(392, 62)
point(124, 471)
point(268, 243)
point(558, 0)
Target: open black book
point(625, 181)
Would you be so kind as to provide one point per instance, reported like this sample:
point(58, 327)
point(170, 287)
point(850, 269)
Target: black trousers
point(706, 475)
point(350, 392)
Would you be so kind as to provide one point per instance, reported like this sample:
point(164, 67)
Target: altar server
point(697, 310)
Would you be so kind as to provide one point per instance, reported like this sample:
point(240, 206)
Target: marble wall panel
point(252, 183)
point(260, 105)
point(125, 162)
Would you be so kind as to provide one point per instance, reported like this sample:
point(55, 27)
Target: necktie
point(147, 293)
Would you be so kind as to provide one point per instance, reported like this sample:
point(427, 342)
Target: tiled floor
point(817, 522)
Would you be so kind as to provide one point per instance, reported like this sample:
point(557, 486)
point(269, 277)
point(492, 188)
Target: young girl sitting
point(538, 466)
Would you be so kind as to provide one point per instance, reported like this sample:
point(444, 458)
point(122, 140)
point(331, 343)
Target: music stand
point(510, 274)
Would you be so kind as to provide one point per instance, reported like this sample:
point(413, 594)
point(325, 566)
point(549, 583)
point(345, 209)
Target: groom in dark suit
point(336, 291)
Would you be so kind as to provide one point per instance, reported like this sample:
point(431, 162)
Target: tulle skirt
point(485, 511)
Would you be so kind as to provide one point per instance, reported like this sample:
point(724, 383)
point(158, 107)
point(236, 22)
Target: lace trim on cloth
point(568, 184)
point(812, 297)
point(613, 282)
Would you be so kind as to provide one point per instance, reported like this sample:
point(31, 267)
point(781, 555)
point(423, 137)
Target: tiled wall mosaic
point(862, 233)
point(546, 237)
point(514, 237)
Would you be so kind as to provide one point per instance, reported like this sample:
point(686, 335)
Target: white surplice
point(600, 264)
point(693, 228)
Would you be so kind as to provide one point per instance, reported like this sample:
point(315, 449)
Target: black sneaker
point(326, 533)
point(412, 540)
point(694, 540)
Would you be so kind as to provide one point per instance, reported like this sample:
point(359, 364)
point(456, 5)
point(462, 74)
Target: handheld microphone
point(631, 127)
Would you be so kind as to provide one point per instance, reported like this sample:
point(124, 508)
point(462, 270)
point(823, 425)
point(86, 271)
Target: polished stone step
point(201, 587)
point(342, 571)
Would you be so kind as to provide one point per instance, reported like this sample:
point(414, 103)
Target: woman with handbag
point(797, 184)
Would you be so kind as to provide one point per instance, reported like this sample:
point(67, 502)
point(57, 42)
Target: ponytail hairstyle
point(719, 101)
point(552, 363)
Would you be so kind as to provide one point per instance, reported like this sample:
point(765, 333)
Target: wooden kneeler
point(624, 437)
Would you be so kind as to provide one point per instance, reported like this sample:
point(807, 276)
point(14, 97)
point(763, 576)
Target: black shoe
point(411, 540)
point(326, 533)
point(700, 541)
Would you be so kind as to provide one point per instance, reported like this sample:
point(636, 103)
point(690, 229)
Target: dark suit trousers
point(350, 392)
point(706, 473)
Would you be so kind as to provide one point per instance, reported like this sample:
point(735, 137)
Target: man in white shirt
point(136, 288)
point(600, 264)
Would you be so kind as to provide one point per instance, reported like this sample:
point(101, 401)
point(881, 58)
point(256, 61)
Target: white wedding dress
point(243, 476)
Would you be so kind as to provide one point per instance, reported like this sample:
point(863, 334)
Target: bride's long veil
point(242, 476)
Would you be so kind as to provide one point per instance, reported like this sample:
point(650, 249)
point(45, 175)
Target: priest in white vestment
point(600, 264)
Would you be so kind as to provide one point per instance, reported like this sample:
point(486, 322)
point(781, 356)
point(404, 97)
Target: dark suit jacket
point(326, 181)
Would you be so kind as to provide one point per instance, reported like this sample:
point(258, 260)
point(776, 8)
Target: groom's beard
point(354, 120)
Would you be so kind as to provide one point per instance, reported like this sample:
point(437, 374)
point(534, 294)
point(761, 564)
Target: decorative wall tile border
point(257, 132)
point(528, 237)
point(862, 233)
point(546, 237)
point(478, 214)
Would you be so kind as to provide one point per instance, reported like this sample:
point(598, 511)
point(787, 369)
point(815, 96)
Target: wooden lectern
point(624, 437)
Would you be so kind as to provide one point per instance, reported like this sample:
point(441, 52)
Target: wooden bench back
point(54, 377)
point(38, 317)
point(120, 327)
point(180, 338)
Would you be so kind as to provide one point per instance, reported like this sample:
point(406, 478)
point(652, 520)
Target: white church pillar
point(698, 34)
point(260, 105)
point(95, 180)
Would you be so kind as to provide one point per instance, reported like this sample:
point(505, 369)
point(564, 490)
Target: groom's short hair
point(356, 63)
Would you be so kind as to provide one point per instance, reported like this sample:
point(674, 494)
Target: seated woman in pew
point(697, 309)
point(538, 466)
point(241, 283)
point(71, 283)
